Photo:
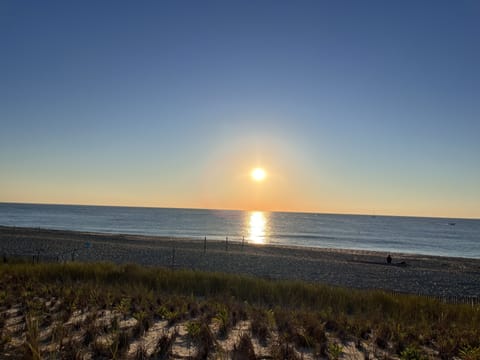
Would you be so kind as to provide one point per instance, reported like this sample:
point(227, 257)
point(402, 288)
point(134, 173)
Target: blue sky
point(351, 107)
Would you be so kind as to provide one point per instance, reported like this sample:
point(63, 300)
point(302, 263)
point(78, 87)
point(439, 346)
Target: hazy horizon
point(348, 108)
point(242, 210)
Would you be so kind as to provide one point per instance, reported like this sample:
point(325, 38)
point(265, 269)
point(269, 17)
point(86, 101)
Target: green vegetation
point(75, 309)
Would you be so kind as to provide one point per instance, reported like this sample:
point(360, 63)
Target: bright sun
point(258, 174)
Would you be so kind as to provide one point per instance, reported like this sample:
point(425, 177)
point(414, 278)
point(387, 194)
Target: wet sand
point(409, 273)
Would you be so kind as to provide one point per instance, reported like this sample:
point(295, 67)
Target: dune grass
point(302, 313)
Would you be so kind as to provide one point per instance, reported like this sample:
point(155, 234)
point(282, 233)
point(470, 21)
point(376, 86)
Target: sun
point(258, 174)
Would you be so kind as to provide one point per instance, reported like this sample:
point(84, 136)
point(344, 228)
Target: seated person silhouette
point(389, 259)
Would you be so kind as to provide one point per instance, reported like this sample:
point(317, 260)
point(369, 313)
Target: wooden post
point(243, 242)
point(205, 245)
point(226, 243)
point(173, 258)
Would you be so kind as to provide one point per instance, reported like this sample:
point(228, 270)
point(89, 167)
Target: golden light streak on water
point(257, 227)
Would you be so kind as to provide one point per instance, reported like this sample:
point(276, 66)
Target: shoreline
point(420, 274)
point(231, 240)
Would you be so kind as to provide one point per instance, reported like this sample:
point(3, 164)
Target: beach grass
point(287, 317)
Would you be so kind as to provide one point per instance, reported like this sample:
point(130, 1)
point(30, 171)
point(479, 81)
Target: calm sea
point(434, 236)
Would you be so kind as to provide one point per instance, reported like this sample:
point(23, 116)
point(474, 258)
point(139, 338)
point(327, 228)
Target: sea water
point(431, 236)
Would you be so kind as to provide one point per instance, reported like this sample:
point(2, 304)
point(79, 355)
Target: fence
point(448, 299)
point(39, 256)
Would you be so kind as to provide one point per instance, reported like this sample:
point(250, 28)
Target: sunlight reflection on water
point(257, 227)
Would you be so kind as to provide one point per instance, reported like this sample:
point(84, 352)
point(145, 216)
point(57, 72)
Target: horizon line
point(244, 210)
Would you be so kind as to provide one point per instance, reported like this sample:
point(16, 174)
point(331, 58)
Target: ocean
point(418, 235)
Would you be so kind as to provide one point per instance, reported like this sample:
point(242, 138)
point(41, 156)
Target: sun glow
point(258, 174)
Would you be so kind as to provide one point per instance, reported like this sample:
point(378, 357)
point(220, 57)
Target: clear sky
point(349, 106)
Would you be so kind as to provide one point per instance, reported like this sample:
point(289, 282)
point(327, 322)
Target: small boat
point(452, 224)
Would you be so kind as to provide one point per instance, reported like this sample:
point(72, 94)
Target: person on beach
point(389, 259)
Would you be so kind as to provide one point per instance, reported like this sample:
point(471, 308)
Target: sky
point(360, 107)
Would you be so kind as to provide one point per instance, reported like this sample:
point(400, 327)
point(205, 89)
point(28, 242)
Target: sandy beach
point(417, 274)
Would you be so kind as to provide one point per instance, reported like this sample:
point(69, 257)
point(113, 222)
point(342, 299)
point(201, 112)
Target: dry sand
point(428, 275)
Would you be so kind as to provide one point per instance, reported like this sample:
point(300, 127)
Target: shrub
point(470, 352)
point(412, 353)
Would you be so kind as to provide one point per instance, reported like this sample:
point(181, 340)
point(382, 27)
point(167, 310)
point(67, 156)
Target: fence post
point(243, 241)
point(226, 243)
point(205, 245)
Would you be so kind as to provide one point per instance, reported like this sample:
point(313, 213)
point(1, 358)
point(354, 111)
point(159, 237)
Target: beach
point(445, 277)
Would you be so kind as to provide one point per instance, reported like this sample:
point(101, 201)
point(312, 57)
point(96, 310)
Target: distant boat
point(452, 224)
